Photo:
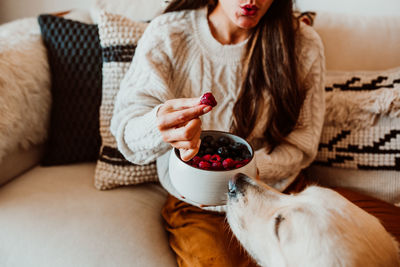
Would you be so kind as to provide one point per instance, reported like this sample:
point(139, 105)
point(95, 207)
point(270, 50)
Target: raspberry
point(245, 161)
point(208, 99)
point(220, 153)
point(215, 158)
point(196, 160)
point(217, 165)
point(228, 163)
point(206, 157)
point(204, 165)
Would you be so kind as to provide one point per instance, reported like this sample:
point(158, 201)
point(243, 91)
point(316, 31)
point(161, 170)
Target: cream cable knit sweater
point(177, 57)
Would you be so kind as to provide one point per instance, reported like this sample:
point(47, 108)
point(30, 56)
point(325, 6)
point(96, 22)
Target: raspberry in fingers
point(208, 99)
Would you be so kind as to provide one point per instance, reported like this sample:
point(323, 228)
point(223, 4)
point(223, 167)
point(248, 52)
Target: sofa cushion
point(118, 36)
point(74, 54)
point(54, 216)
point(19, 161)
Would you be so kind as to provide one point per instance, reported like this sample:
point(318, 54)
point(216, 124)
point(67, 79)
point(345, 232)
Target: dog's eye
point(278, 220)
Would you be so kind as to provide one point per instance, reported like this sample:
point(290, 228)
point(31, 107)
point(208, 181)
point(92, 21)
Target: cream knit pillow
point(358, 130)
point(360, 141)
point(118, 39)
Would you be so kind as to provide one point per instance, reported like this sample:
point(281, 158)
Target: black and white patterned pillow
point(119, 36)
point(362, 121)
point(74, 55)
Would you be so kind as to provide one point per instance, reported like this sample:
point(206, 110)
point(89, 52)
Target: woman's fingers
point(179, 124)
point(184, 133)
point(186, 144)
point(177, 104)
point(176, 118)
point(194, 143)
point(181, 103)
point(188, 154)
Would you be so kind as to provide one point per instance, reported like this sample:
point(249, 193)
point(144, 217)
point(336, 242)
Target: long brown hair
point(270, 67)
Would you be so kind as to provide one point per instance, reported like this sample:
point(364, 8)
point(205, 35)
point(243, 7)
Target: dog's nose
point(232, 188)
point(235, 185)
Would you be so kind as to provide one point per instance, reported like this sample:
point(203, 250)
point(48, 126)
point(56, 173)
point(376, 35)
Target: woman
point(266, 71)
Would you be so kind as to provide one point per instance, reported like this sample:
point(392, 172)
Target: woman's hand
point(179, 123)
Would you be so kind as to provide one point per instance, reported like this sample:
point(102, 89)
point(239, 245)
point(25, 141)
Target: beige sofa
point(54, 216)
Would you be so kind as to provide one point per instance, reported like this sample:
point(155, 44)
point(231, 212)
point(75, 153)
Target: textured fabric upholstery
point(19, 161)
point(53, 216)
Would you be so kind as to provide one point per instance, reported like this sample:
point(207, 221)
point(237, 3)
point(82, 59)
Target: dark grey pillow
point(75, 61)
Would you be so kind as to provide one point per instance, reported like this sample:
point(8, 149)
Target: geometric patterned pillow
point(74, 56)
point(118, 38)
point(362, 125)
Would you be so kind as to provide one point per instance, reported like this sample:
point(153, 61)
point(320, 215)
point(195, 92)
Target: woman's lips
point(249, 10)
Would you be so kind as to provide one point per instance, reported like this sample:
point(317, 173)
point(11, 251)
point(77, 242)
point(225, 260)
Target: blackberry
point(223, 152)
point(223, 141)
point(206, 140)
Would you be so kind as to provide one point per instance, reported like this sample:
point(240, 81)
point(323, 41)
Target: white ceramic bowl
point(207, 187)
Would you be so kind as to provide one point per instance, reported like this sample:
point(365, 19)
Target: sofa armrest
point(25, 96)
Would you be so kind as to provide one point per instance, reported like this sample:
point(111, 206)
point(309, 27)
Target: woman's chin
point(247, 22)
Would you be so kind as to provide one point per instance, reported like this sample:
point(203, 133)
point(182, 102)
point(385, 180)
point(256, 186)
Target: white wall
point(362, 7)
point(14, 9)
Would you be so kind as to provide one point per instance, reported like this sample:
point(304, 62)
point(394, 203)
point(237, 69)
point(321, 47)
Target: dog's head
point(317, 227)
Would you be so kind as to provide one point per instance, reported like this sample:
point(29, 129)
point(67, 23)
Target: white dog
point(317, 227)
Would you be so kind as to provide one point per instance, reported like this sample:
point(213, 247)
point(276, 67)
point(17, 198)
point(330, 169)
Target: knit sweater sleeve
point(143, 89)
point(280, 167)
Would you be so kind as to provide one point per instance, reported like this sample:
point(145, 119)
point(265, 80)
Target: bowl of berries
point(204, 179)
